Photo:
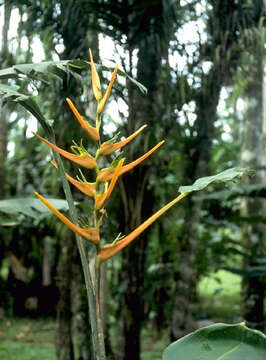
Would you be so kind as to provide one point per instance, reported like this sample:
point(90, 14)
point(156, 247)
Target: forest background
point(203, 65)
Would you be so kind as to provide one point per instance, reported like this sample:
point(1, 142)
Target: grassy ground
point(153, 344)
point(220, 296)
point(24, 351)
point(28, 339)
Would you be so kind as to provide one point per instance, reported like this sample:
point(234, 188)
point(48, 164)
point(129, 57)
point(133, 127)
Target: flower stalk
point(99, 192)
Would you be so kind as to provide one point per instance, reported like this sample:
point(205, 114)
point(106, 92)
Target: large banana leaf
point(217, 342)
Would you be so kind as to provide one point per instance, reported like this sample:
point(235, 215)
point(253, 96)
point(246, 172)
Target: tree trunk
point(197, 166)
point(253, 156)
point(3, 107)
point(3, 148)
point(46, 264)
point(137, 200)
point(20, 185)
point(80, 333)
point(199, 150)
point(63, 340)
point(73, 331)
point(3, 126)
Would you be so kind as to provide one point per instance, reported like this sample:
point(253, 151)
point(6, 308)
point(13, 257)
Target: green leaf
point(57, 69)
point(10, 92)
point(219, 342)
point(30, 207)
point(253, 190)
point(4, 222)
point(33, 71)
point(8, 73)
point(225, 176)
point(141, 87)
point(82, 64)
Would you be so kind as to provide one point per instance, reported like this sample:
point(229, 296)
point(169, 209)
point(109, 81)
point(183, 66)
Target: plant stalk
point(98, 310)
point(92, 291)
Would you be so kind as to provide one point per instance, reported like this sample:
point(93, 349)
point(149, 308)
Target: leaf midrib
point(228, 352)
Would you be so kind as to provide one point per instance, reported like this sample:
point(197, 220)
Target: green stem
point(98, 309)
point(97, 343)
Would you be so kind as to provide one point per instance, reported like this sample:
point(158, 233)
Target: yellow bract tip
point(103, 101)
point(91, 131)
point(96, 85)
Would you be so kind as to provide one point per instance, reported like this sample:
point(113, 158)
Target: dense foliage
point(199, 61)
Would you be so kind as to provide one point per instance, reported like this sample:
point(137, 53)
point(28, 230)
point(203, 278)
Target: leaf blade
point(217, 342)
point(30, 207)
point(225, 176)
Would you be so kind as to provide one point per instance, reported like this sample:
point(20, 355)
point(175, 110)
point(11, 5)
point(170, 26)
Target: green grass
point(23, 351)
point(28, 330)
point(33, 339)
point(222, 283)
point(153, 344)
point(27, 339)
point(220, 295)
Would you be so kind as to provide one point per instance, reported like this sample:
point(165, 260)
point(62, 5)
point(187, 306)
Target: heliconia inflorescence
point(107, 176)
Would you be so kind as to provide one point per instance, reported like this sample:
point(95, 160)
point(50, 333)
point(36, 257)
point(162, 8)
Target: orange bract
point(102, 102)
point(85, 187)
point(85, 160)
point(110, 250)
point(108, 148)
point(92, 234)
point(100, 200)
point(107, 173)
point(92, 131)
point(96, 85)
